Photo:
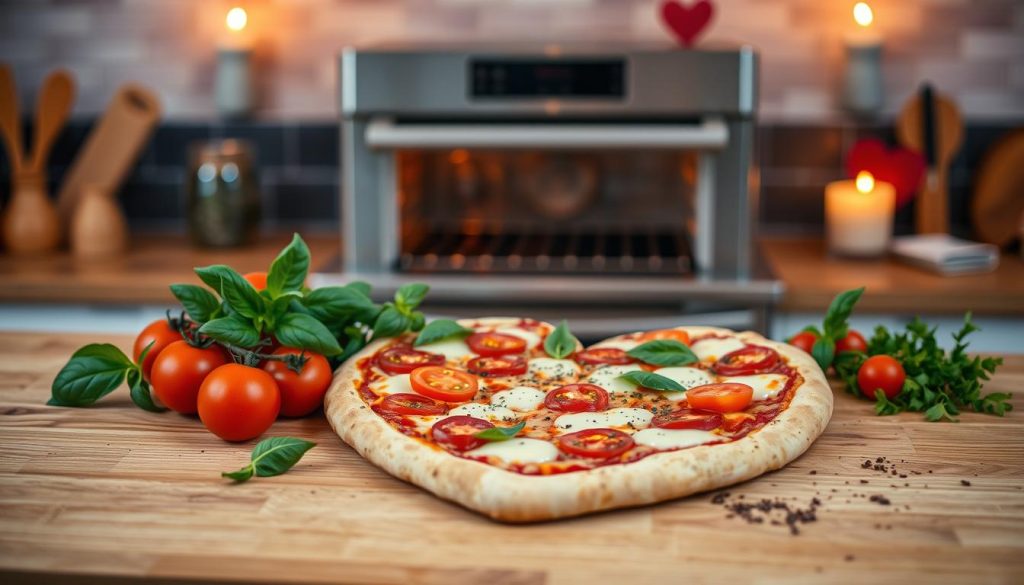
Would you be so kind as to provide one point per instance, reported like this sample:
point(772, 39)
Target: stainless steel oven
point(612, 185)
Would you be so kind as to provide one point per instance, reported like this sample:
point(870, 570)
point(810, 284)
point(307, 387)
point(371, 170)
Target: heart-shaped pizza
point(481, 413)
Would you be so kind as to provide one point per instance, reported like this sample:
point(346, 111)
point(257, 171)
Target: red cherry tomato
point(595, 443)
point(258, 280)
point(853, 341)
point(723, 397)
point(303, 392)
point(238, 403)
point(881, 372)
point(670, 334)
point(804, 340)
point(604, 355)
point(413, 404)
point(497, 367)
point(179, 371)
point(447, 384)
point(495, 344)
point(748, 360)
point(403, 359)
point(160, 334)
point(457, 432)
point(688, 419)
point(577, 398)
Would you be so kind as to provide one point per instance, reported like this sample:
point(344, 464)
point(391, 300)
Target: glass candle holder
point(223, 195)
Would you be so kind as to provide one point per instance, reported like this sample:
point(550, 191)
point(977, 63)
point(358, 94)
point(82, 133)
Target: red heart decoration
point(902, 167)
point(686, 23)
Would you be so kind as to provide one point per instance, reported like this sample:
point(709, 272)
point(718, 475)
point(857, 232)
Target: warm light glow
point(865, 182)
point(862, 14)
point(459, 156)
point(237, 18)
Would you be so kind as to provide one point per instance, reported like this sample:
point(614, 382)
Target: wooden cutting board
point(89, 494)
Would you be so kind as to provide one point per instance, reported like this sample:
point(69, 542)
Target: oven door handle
point(711, 133)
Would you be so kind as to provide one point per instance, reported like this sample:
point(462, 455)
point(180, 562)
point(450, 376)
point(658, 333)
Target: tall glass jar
point(223, 195)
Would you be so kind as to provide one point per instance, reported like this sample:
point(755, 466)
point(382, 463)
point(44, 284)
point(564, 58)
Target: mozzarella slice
point(686, 377)
point(531, 338)
point(518, 451)
point(452, 349)
point(624, 419)
point(520, 398)
point(674, 438)
point(607, 378)
point(552, 369)
point(623, 344)
point(484, 411)
point(709, 350)
point(394, 385)
point(765, 385)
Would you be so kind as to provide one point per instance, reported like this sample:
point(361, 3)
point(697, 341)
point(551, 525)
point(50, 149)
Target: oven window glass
point(547, 211)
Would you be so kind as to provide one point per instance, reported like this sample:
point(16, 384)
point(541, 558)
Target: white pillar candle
point(858, 214)
point(233, 84)
point(862, 82)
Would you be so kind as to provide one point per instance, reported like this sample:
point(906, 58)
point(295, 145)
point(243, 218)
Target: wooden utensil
point(52, 110)
point(112, 147)
point(10, 123)
point(997, 204)
point(930, 123)
point(98, 228)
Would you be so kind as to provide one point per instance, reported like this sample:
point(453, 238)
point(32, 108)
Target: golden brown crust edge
point(513, 497)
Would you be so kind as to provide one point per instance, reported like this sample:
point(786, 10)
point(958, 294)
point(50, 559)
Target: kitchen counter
point(810, 276)
point(90, 494)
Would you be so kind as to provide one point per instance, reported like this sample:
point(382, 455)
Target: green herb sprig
point(663, 352)
point(270, 457)
point(834, 327)
point(496, 434)
point(561, 343)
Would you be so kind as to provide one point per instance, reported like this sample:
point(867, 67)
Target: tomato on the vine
point(258, 280)
point(852, 341)
point(238, 403)
point(881, 372)
point(179, 371)
point(804, 340)
point(303, 392)
point(160, 334)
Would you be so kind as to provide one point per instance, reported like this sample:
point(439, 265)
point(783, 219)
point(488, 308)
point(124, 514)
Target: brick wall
point(973, 49)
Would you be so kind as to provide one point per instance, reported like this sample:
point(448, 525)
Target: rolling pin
point(930, 123)
point(112, 147)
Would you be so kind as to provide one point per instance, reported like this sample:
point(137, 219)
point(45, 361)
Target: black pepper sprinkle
point(965, 482)
point(880, 499)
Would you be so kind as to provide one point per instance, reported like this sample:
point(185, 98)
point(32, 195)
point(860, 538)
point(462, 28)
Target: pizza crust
point(512, 497)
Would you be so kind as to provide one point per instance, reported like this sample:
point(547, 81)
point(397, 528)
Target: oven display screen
point(541, 78)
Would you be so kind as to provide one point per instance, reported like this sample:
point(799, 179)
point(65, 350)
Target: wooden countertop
point(90, 494)
point(812, 278)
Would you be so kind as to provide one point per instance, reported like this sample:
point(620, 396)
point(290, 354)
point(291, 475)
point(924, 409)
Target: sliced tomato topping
point(495, 344)
point(748, 360)
point(403, 359)
point(577, 398)
point(604, 355)
point(411, 404)
point(673, 334)
point(734, 420)
point(497, 367)
point(447, 384)
point(458, 432)
point(688, 419)
point(722, 397)
point(595, 443)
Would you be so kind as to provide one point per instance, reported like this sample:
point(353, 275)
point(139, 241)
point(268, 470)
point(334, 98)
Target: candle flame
point(865, 182)
point(237, 18)
point(862, 14)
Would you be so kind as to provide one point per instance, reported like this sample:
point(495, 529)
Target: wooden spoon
point(52, 110)
point(10, 124)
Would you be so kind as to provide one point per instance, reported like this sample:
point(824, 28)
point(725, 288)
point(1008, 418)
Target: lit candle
point(862, 90)
point(859, 215)
point(233, 86)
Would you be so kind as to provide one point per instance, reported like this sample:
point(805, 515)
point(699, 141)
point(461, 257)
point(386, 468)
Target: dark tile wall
point(299, 173)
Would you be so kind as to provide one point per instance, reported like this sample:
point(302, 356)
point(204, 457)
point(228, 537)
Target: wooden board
point(115, 491)
point(812, 277)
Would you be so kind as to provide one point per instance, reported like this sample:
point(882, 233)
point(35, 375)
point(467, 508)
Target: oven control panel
point(547, 78)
